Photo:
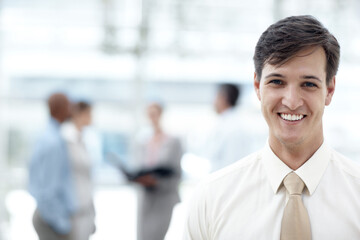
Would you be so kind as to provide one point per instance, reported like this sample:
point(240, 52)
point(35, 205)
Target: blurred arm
point(174, 163)
point(51, 186)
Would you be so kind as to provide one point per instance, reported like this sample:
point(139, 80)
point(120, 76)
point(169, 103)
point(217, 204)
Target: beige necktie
point(295, 224)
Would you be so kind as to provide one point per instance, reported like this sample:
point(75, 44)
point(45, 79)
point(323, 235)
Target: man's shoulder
point(49, 139)
point(234, 172)
point(348, 166)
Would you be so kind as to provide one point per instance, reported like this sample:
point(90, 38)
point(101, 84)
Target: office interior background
point(119, 54)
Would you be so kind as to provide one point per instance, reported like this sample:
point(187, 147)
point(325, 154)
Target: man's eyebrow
point(274, 75)
point(303, 77)
point(311, 77)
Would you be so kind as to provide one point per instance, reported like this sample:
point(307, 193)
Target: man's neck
point(78, 125)
point(225, 110)
point(295, 155)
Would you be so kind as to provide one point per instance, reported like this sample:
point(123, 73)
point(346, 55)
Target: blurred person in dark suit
point(160, 153)
point(83, 224)
point(50, 179)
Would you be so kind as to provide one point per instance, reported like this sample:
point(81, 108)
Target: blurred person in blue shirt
point(50, 181)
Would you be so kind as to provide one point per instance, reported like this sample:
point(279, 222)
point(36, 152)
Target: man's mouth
point(291, 117)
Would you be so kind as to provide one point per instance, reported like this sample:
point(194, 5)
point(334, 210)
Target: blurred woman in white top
point(83, 224)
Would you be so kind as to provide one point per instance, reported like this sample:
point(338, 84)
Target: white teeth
point(291, 117)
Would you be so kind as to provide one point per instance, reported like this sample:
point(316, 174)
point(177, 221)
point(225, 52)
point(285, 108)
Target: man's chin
point(291, 141)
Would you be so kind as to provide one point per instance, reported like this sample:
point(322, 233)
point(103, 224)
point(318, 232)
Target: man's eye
point(310, 85)
point(276, 82)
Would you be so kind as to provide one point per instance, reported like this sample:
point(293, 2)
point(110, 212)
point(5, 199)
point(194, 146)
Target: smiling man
point(297, 187)
point(293, 96)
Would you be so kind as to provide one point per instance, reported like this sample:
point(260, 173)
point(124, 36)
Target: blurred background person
point(157, 194)
point(50, 178)
point(83, 224)
point(137, 49)
point(227, 141)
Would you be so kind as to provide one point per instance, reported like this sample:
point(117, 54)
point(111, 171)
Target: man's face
point(63, 113)
point(220, 103)
point(85, 117)
point(293, 97)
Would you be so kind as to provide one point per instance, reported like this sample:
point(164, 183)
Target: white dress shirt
point(229, 140)
point(80, 163)
point(246, 200)
point(83, 221)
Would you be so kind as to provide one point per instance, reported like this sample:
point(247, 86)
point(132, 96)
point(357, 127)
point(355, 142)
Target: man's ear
point(330, 89)
point(257, 86)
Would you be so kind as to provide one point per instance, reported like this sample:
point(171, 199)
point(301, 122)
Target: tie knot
point(293, 184)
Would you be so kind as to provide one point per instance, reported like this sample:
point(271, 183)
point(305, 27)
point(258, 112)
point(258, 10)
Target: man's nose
point(292, 97)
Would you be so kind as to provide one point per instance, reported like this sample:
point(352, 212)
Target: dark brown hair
point(284, 39)
point(230, 91)
point(80, 106)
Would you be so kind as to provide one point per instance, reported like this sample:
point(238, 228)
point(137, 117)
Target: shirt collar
point(228, 112)
point(310, 172)
point(71, 133)
point(54, 122)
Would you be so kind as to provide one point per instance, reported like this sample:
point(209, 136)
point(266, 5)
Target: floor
point(116, 214)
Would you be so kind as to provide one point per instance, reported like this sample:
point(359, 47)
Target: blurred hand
point(147, 180)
